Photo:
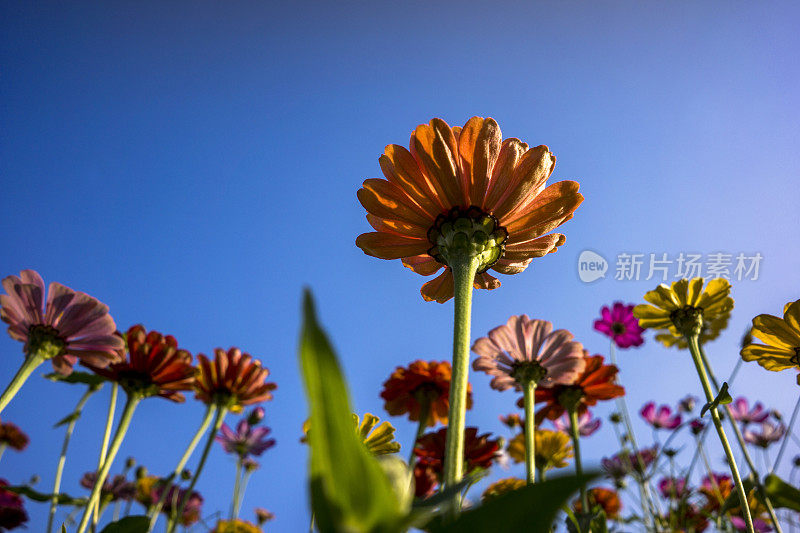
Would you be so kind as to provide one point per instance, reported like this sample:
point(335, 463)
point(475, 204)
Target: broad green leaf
point(349, 491)
point(722, 398)
point(531, 509)
point(63, 499)
point(85, 378)
point(129, 524)
point(781, 493)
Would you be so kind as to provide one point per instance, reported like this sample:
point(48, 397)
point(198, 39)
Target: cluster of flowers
point(70, 327)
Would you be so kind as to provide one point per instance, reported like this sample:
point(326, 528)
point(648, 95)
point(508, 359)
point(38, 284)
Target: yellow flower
point(685, 306)
point(498, 488)
point(236, 526)
point(378, 438)
point(709, 332)
point(144, 489)
point(552, 448)
point(781, 338)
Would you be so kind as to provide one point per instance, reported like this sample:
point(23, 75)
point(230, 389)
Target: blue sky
point(195, 165)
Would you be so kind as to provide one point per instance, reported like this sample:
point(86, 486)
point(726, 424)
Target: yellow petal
point(717, 290)
point(694, 292)
point(775, 332)
point(771, 358)
point(791, 314)
point(679, 288)
point(663, 297)
point(648, 311)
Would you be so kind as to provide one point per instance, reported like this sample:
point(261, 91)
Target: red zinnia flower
point(608, 499)
point(12, 511)
point(233, 379)
point(13, 437)
point(154, 366)
point(422, 381)
point(597, 382)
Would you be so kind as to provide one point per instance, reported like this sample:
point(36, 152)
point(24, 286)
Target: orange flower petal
point(424, 264)
point(390, 246)
point(508, 266)
point(439, 289)
point(510, 153)
point(528, 179)
point(535, 247)
point(400, 168)
point(478, 146)
point(486, 281)
point(552, 207)
point(434, 147)
point(397, 227)
point(386, 200)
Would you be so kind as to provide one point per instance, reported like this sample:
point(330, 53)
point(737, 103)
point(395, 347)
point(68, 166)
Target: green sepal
point(722, 398)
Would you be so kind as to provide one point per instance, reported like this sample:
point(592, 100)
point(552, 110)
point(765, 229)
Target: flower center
point(688, 320)
point(618, 328)
point(469, 232)
point(570, 398)
point(795, 359)
point(45, 341)
point(137, 382)
point(527, 371)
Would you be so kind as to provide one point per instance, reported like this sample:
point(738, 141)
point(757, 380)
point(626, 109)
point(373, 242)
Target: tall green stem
point(112, 406)
point(786, 438)
point(742, 445)
point(464, 272)
point(122, 428)
point(28, 366)
point(424, 413)
point(236, 488)
point(218, 419)
point(63, 457)
point(576, 443)
point(210, 410)
point(694, 348)
point(528, 389)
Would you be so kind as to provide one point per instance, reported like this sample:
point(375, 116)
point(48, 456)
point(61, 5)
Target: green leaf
point(67, 419)
point(781, 493)
point(129, 524)
point(531, 509)
point(722, 398)
point(85, 378)
point(63, 499)
point(349, 490)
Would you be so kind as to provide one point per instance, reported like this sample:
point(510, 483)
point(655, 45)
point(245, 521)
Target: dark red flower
point(13, 437)
point(12, 512)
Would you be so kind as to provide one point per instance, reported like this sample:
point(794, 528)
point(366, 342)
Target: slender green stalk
point(528, 389)
point(694, 348)
point(63, 457)
point(3, 447)
point(576, 443)
point(424, 413)
point(218, 419)
point(786, 439)
point(156, 509)
point(463, 275)
point(119, 435)
point(245, 479)
point(28, 366)
point(236, 488)
point(104, 447)
point(740, 440)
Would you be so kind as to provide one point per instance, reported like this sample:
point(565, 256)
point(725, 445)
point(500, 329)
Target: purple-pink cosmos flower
point(619, 323)
point(622, 464)
point(697, 426)
point(661, 418)
point(673, 488)
point(246, 441)
point(769, 433)
point(741, 412)
point(759, 525)
point(586, 425)
point(526, 348)
point(71, 324)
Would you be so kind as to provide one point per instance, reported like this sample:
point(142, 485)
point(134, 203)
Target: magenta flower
point(623, 464)
point(586, 425)
point(524, 349)
point(246, 441)
point(619, 323)
point(758, 525)
point(741, 412)
point(661, 418)
point(71, 325)
point(769, 433)
point(12, 509)
point(696, 426)
point(673, 488)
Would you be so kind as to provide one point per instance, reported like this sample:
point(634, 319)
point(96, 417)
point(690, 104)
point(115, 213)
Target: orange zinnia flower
point(607, 499)
point(597, 382)
point(154, 366)
point(407, 388)
point(233, 379)
point(465, 176)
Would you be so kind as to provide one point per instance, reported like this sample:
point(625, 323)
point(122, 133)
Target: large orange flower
point(232, 379)
point(596, 383)
point(498, 186)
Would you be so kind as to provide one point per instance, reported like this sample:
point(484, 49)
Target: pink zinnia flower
point(741, 412)
point(661, 418)
point(672, 488)
point(525, 349)
point(71, 325)
point(246, 440)
point(769, 433)
point(586, 425)
point(619, 323)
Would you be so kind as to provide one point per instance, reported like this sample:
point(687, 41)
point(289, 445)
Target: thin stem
point(156, 509)
point(245, 478)
point(694, 348)
point(424, 413)
point(528, 390)
point(3, 447)
point(236, 486)
point(786, 439)
point(104, 447)
point(63, 457)
point(218, 419)
point(576, 443)
point(122, 428)
point(463, 277)
point(28, 366)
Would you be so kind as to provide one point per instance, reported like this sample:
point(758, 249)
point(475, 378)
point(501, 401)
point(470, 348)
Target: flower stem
point(122, 428)
point(28, 366)
point(576, 443)
point(528, 389)
point(424, 413)
point(786, 438)
point(181, 463)
point(694, 348)
point(464, 271)
point(236, 488)
point(63, 458)
point(104, 447)
point(245, 478)
point(218, 419)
